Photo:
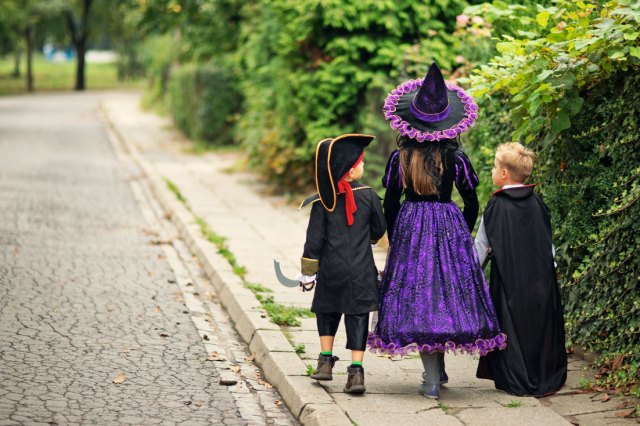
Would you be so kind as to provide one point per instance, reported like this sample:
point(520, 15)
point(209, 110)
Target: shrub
point(204, 103)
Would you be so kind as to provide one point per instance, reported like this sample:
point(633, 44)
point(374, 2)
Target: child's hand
point(307, 282)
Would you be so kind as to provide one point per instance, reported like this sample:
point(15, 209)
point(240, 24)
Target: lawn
point(49, 76)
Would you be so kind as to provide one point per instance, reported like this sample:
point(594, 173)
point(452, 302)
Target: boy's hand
point(307, 282)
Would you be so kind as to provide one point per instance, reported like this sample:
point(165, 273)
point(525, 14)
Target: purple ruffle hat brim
point(400, 123)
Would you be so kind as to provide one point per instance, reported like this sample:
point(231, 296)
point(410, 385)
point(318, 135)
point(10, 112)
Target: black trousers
point(357, 326)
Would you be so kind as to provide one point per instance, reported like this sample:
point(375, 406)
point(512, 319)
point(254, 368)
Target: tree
point(79, 32)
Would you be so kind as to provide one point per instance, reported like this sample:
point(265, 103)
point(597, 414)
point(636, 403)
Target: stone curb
point(309, 402)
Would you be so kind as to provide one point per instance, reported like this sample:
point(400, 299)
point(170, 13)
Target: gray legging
point(433, 364)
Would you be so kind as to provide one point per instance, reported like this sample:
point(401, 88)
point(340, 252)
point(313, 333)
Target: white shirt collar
point(517, 185)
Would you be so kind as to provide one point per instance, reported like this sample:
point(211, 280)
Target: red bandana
point(343, 186)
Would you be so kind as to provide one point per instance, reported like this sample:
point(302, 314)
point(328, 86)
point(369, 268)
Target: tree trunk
point(16, 63)
point(80, 51)
point(79, 36)
point(28, 33)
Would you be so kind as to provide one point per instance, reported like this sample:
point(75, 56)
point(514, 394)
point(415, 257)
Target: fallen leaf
point(617, 362)
point(215, 356)
point(157, 309)
point(626, 413)
point(235, 368)
point(119, 379)
point(250, 357)
point(605, 397)
point(278, 402)
point(164, 334)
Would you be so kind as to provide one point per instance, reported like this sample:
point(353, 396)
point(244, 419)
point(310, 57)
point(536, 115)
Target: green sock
point(356, 363)
point(327, 353)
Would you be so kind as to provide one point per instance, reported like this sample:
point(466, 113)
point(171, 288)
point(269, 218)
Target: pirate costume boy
point(346, 218)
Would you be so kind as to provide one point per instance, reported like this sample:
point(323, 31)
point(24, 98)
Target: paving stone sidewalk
point(99, 320)
point(258, 228)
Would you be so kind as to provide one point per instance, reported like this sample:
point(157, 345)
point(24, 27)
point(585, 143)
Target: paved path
point(259, 227)
point(104, 315)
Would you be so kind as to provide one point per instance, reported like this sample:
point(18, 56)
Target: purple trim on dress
point(466, 173)
point(479, 347)
point(388, 177)
point(405, 129)
point(430, 118)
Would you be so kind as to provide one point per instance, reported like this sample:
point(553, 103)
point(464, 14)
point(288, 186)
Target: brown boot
point(355, 380)
point(325, 367)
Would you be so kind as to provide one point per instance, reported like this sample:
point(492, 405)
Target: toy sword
point(287, 282)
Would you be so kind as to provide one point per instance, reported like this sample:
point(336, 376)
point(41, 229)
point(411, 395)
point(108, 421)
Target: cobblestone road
point(91, 294)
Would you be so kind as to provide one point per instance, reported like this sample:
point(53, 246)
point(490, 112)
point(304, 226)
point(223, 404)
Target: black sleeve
point(392, 181)
point(309, 263)
point(378, 223)
point(466, 182)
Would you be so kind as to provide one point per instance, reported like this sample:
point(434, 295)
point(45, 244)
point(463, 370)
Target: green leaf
point(542, 18)
point(635, 51)
point(581, 44)
point(561, 122)
point(507, 47)
point(631, 36)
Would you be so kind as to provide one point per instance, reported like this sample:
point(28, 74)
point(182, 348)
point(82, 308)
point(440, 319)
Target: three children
point(433, 297)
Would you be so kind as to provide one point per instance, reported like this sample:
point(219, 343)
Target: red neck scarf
point(343, 186)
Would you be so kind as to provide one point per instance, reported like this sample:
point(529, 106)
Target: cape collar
point(515, 191)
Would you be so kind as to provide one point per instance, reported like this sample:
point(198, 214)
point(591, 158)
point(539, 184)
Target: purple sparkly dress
point(434, 296)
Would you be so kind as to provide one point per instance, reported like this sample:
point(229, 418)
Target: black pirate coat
point(341, 255)
point(526, 296)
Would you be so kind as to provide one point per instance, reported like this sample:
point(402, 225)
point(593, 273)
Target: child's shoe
point(324, 370)
point(430, 390)
point(355, 380)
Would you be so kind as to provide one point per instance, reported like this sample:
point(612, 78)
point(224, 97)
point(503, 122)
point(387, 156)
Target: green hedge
point(566, 85)
point(205, 103)
point(593, 190)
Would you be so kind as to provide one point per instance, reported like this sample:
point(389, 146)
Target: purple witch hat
point(429, 109)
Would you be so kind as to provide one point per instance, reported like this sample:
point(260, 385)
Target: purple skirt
point(433, 295)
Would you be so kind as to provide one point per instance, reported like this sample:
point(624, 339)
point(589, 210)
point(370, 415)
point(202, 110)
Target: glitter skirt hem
point(478, 347)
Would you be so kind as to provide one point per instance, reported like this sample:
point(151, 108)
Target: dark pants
point(357, 326)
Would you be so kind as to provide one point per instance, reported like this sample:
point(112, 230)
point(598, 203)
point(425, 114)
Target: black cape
point(347, 280)
point(526, 296)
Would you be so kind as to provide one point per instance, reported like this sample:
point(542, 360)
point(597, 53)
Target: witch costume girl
point(346, 218)
point(433, 297)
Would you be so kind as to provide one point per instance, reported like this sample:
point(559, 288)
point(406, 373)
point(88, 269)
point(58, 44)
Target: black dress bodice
point(457, 170)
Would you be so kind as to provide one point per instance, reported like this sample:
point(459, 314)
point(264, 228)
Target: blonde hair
point(517, 159)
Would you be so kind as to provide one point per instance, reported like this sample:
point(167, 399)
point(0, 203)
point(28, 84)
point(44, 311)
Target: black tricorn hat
point(334, 158)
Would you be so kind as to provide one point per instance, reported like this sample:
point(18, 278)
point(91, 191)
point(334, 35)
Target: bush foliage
point(204, 103)
point(566, 85)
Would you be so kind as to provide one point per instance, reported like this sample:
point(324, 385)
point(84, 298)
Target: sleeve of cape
point(310, 261)
point(392, 182)
point(466, 182)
